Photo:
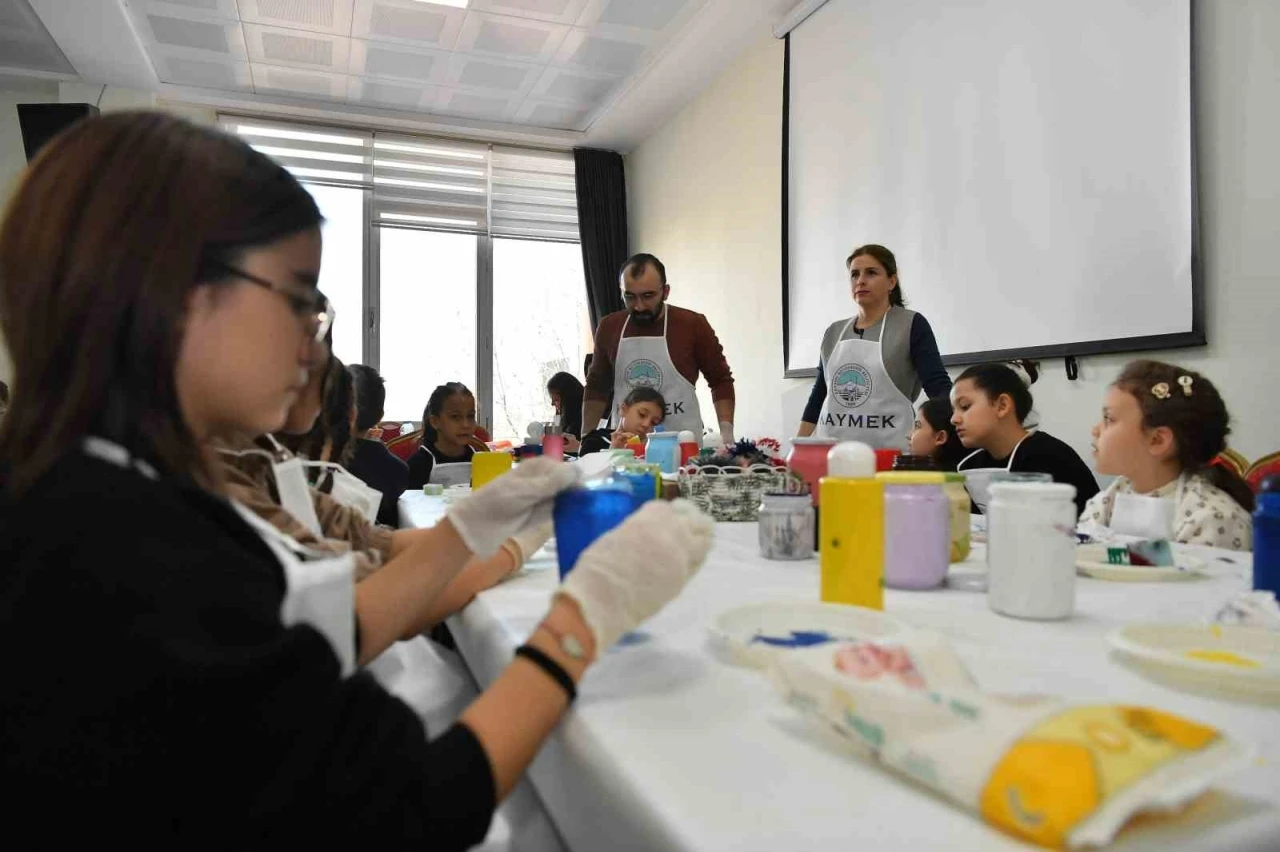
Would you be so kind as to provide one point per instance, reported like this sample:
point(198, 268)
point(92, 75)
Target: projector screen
point(1029, 162)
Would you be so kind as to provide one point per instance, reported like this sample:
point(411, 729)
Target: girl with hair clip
point(175, 670)
point(991, 405)
point(448, 432)
point(1161, 427)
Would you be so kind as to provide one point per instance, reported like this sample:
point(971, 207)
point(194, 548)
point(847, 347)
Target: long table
point(671, 748)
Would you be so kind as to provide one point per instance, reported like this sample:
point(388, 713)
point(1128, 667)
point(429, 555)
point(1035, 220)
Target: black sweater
point(150, 690)
point(1042, 453)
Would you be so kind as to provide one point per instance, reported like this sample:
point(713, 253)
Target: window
point(342, 265)
point(428, 290)
point(540, 327)
point(475, 273)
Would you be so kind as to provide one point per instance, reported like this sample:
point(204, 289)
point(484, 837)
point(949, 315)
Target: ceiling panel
point(321, 16)
point(547, 63)
point(300, 48)
point(408, 22)
point(299, 82)
point(179, 70)
point(510, 38)
point(25, 45)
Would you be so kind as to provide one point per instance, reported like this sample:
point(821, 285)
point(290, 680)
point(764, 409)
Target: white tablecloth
point(668, 747)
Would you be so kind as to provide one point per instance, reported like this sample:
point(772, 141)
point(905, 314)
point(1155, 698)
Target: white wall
point(13, 158)
point(704, 196)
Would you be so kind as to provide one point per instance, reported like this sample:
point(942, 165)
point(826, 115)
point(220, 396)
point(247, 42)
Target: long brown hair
point(111, 228)
point(1189, 406)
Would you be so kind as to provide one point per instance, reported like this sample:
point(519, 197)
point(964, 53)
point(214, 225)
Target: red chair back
point(1233, 461)
point(1268, 465)
point(405, 445)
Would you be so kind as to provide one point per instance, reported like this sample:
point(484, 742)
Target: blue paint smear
point(797, 639)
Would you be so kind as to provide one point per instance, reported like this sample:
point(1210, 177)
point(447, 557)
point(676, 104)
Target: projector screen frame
point(1178, 340)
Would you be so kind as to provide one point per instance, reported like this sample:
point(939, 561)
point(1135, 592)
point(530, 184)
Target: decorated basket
point(731, 493)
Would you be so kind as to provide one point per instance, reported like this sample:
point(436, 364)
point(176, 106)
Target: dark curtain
point(602, 226)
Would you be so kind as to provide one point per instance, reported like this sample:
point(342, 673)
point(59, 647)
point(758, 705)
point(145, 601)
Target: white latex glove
point(629, 573)
point(511, 504)
point(726, 433)
point(528, 541)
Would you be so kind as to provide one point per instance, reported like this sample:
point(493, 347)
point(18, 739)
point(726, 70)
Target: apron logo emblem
point(643, 374)
point(851, 385)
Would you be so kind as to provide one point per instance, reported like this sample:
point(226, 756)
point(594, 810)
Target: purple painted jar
point(917, 530)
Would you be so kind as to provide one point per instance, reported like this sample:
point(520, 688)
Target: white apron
point(1145, 516)
point(350, 490)
point(291, 484)
point(863, 403)
point(645, 362)
point(321, 588)
point(978, 480)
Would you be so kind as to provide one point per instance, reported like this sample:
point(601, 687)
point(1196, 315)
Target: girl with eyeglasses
point(174, 672)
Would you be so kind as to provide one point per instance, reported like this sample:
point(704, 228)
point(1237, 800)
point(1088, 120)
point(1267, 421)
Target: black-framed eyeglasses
point(311, 307)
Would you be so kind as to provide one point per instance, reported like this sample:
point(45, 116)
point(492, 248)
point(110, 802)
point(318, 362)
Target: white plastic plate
point(755, 634)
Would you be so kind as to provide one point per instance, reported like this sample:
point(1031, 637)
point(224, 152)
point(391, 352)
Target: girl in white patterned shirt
point(1162, 425)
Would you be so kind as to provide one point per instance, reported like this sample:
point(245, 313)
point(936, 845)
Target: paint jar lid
point(851, 460)
point(1034, 490)
point(911, 477)
point(686, 437)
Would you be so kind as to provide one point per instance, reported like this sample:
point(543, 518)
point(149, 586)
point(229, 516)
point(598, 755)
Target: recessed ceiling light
point(457, 4)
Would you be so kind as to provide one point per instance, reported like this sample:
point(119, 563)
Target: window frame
point(370, 320)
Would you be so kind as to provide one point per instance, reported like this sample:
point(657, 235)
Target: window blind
point(430, 183)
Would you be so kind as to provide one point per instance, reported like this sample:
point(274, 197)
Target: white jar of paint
point(786, 526)
point(1031, 550)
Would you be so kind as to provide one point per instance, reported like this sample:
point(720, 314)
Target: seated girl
point(642, 410)
point(934, 435)
point(1161, 427)
point(327, 525)
point(448, 432)
point(991, 405)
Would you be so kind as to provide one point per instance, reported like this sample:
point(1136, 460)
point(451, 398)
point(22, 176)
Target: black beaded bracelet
point(553, 669)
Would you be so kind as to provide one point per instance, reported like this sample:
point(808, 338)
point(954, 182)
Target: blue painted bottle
point(585, 513)
point(1266, 537)
point(663, 449)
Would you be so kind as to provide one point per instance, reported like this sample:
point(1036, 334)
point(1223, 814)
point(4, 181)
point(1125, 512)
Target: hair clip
point(1185, 382)
point(1160, 390)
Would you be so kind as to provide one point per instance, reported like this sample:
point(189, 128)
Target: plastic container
point(909, 462)
point(786, 523)
point(1266, 537)
point(959, 497)
point(689, 447)
point(917, 529)
point(553, 440)
point(645, 481)
point(1031, 549)
point(851, 528)
point(486, 467)
point(663, 449)
point(583, 514)
point(885, 459)
point(808, 460)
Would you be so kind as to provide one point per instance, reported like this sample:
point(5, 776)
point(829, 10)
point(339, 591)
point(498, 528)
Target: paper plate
point(754, 635)
point(1241, 659)
point(1091, 561)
